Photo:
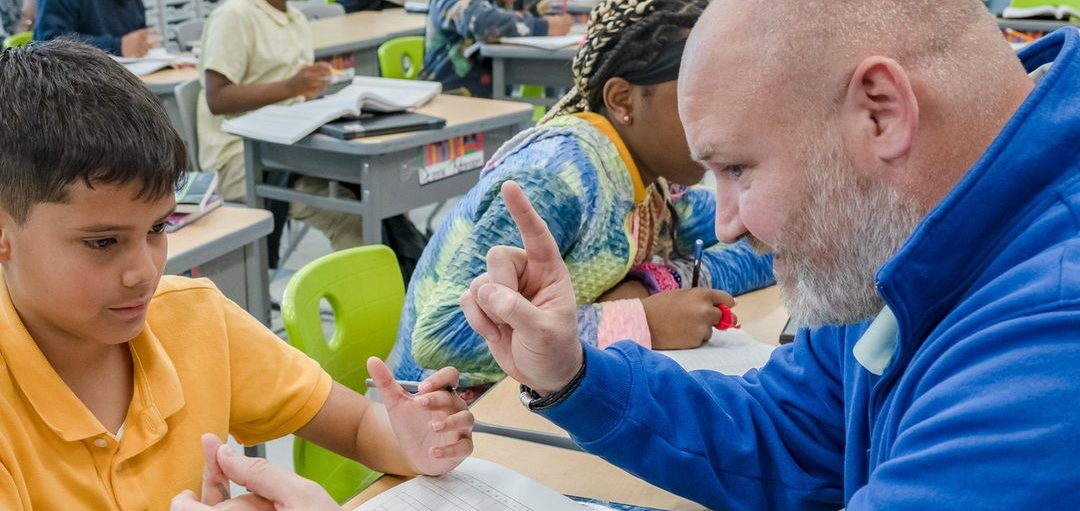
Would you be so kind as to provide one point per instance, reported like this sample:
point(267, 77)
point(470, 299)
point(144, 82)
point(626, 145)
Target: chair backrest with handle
point(365, 291)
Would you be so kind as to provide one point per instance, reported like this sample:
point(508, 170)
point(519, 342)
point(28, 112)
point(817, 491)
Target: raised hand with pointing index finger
point(524, 305)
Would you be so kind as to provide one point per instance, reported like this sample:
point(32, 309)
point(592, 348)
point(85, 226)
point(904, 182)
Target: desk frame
point(387, 170)
point(522, 65)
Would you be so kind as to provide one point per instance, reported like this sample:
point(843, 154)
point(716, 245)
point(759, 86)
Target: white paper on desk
point(476, 485)
point(155, 59)
point(545, 42)
point(730, 351)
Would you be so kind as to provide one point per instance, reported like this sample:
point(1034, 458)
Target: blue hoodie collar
point(961, 235)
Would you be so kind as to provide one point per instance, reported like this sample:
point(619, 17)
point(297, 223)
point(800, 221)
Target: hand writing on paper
point(524, 305)
point(683, 318)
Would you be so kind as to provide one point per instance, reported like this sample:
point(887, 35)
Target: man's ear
point(7, 228)
point(880, 112)
point(619, 101)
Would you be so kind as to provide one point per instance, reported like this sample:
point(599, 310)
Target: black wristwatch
point(535, 402)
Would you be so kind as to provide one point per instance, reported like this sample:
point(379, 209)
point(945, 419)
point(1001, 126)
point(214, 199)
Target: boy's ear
point(7, 227)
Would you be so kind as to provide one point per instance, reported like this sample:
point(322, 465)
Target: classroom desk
point(578, 473)
point(358, 34)
point(513, 65)
point(227, 246)
point(389, 168)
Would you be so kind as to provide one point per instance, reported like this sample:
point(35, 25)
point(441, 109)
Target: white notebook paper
point(475, 485)
point(155, 59)
point(730, 351)
point(545, 42)
point(283, 124)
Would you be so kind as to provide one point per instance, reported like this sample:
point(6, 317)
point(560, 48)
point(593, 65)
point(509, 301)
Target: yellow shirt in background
point(201, 365)
point(249, 42)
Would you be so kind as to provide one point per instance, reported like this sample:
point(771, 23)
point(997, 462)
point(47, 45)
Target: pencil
point(698, 248)
point(409, 386)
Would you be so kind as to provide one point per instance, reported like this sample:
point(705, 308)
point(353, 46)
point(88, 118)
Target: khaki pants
point(345, 230)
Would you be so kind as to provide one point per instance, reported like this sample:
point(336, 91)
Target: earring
point(627, 120)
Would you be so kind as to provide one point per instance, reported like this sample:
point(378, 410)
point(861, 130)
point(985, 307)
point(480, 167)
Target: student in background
point(110, 372)
point(116, 26)
point(257, 53)
point(455, 27)
point(609, 171)
point(10, 16)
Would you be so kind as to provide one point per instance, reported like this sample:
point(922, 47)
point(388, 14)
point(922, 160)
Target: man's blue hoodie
point(979, 406)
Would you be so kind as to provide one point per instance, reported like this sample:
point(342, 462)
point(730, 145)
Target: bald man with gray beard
point(919, 186)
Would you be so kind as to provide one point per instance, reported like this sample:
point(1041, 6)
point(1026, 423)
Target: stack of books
point(195, 199)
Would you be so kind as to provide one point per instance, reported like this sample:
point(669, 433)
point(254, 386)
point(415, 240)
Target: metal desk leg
point(498, 78)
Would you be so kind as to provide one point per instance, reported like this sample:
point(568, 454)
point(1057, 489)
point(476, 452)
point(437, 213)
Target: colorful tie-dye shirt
point(604, 221)
point(454, 30)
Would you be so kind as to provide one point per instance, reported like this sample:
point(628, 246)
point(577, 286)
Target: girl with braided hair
point(609, 170)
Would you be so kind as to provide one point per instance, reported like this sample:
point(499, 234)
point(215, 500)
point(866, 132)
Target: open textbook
point(285, 124)
point(155, 59)
point(475, 485)
point(729, 351)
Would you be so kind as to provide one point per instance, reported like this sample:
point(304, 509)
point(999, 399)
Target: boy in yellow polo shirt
point(109, 373)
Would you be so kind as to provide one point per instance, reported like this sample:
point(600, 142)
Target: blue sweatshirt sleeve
point(481, 20)
point(60, 17)
point(771, 439)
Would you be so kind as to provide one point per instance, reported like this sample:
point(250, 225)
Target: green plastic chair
point(19, 39)
point(401, 57)
point(534, 91)
point(364, 288)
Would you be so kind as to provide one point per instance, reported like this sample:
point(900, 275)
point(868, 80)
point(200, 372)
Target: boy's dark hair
point(69, 112)
point(624, 37)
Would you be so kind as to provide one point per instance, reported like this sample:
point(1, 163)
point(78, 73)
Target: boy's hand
point(137, 43)
point(434, 427)
point(559, 24)
point(683, 318)
point(271, 487)
point(524, 305)
point(312, 80)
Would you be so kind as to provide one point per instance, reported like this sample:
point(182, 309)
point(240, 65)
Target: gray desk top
point(511, 51)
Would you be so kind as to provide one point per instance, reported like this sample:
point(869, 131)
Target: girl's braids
point(623, 36)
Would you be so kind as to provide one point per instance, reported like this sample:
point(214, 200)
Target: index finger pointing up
point(540, 246)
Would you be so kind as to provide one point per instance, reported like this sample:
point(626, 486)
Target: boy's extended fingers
point(186, 501)
point(215, 486)
point(439, 400)
point(459, 450)
point(273, 483)
point(535, 235)
point(460, 421)
point(389, 390)
point(440, 380)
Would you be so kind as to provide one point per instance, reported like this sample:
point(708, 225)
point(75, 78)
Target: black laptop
point(370, 124)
